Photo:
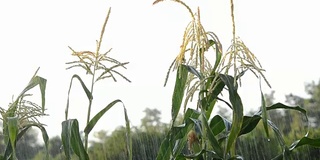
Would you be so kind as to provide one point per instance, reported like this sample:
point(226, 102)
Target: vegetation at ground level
point(148, 136)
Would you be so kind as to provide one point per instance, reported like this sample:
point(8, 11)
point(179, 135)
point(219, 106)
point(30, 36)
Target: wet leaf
point(264, 114)
point(71, 140)
point(237, 110)
point(178, 93)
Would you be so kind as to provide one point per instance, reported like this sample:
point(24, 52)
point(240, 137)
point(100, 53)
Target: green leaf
point(178, 93)
point(129, 138)
point(305, 141)
point(212, 93)
point(282, 106)
point(264, 113)
point(218, 55)
point(165, 150)
point(176, 138)
point(179, 134)
point(249, 123)
point(194, 71)
point(198, 155)
point(218, 124)
point(71, 140)
point(35, 80)
point(278, 135)
point(84, 87)
point(13, 133)
point(43, 131)
point(96, 118)
point(213, 141)
point(237, 111)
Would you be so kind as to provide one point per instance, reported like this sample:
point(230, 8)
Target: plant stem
point(89, 108)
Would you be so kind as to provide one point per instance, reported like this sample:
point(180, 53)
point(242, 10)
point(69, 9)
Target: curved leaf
point(96, 118)
point(194, 71)
point(305, 141)
point(282, 106)
point(43, 132)
point(218, 124)
point(71, 140)
point(249, 123)
point(237, 110)
point(84, 87)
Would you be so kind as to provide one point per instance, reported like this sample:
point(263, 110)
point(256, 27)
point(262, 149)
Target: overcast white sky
point(284, 35)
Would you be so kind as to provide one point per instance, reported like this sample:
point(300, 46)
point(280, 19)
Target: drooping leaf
point(71, 140)
point(237, 106)
point(43, 132)
point(282, 106)
point(34, 81)
point(194, 71)
point(84, 87)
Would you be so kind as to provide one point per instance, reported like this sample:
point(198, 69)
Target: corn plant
point(21, 115)
point(206, 136)
point(94, 64)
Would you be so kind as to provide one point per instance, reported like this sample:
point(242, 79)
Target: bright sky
point(283, 35)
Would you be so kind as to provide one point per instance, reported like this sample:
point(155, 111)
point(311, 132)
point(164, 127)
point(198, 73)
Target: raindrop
point(268, 139)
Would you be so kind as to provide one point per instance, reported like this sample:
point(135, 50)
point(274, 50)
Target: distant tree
point(151, 121)
point(312, 105)
point(28, 146)
point(55, 150)
point(146, 140)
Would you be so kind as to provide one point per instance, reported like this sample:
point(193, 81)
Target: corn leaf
point(71, 140)
point(96, 118)
point(178, 93)
point(84, 87)
point(237, 110)
point(13, 133)
point(264, 114)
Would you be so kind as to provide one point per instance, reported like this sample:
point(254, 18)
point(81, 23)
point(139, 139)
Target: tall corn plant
point(94, 64)
point(206, 136)
point(21, 115)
